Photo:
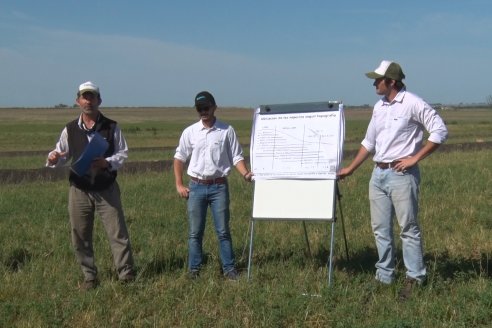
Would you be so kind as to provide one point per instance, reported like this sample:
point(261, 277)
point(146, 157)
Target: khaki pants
point(82, 206)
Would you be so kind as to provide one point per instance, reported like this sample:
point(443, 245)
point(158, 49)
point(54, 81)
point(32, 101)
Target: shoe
point(232, 275)
point(89, 284)
point(130, 277)
point(193, 274)
point(406, 291)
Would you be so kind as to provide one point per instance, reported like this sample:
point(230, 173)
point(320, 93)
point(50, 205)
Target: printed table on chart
point(296, 145)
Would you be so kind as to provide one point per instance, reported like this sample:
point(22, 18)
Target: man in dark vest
point(95, 189)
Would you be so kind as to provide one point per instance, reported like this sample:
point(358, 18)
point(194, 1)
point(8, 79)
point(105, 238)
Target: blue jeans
point(392, 194)
point(200, 197)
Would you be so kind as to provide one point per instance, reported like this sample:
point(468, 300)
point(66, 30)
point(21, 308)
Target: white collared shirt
point(116, 160)
point(212, 151)
point(396, 129)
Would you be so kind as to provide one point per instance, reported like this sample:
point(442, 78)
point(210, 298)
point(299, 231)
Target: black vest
point(77, 141)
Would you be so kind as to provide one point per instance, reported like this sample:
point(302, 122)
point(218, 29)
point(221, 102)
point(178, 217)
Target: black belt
point(221, 180)
point(385, 166)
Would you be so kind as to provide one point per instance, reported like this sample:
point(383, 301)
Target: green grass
point(39, 275)
point(38, 129)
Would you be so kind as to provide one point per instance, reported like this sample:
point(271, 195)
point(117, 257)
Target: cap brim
point(89, 90)
point(203, 103)
point(374, 75)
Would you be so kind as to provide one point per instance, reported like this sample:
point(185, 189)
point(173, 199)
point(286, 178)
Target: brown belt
point(385, 166)
point(221, 180)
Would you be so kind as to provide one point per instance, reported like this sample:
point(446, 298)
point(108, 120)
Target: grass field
point(39, 276)
point(28, 134)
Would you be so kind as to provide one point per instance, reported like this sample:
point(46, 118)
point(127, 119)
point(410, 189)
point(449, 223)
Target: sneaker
point(406, 291)
point(193, 274)
point(232, 275)
point(89, 284)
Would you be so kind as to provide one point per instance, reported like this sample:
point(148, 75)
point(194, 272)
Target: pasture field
point(30, 133)
point(39, 276)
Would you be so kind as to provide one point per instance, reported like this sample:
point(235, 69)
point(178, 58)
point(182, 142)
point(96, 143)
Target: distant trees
point(62, 106)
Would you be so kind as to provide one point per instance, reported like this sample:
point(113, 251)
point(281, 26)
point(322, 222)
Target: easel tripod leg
point(330, 262)
point(307, 239)
point(339, 196)
point(250, 248)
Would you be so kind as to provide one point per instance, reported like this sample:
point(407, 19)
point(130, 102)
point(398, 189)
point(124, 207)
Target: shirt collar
point(213, 127)
point(398, 98)
point(82, 125)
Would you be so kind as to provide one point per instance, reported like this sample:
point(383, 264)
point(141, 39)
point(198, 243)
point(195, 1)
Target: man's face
point(206, 112)
point(383, 88)
point(89, 102)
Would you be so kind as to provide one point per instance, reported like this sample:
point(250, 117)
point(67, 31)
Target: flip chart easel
point(288, 152)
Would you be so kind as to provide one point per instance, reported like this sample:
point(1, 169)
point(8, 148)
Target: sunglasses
point(203, 109)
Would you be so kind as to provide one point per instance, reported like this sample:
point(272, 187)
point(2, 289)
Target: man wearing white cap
point(95, 189)
point(395, 137)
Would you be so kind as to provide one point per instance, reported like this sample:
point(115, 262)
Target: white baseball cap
point(88, 87)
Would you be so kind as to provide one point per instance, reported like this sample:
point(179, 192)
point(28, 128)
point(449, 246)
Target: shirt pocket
point(401, 126)
point(216, 147)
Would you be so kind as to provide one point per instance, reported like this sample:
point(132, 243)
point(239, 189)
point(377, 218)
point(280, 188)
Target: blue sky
point(247, 53)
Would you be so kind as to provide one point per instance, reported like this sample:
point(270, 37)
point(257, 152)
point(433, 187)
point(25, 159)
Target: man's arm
point(406, 163)
point(115, 161)
point(361, 156)
point(182, 190)
point(60, 154)
point(243, 170)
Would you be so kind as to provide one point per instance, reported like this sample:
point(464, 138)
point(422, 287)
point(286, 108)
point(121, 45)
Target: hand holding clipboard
point(94, 149)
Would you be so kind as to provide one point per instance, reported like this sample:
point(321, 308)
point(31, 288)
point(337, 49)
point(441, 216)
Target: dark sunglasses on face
point(203, 109)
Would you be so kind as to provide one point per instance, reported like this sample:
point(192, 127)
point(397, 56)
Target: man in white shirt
point(212, 148)
point(395, 137)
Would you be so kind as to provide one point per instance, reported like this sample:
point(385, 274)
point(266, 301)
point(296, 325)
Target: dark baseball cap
point(204, 99)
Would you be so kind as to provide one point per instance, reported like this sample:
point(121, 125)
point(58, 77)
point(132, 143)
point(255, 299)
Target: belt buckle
point(218, 180)
point(206, 181)
point(383, 166)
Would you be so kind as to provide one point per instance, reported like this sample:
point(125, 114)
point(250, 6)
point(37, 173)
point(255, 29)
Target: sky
point(246, 53)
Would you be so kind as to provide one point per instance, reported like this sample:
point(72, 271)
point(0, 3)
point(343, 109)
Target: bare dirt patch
point(47, 174)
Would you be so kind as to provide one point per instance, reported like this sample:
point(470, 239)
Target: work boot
point(194, 274)
point(89, 284)
point(232, 275)
point(407, 289)
point(129, 278)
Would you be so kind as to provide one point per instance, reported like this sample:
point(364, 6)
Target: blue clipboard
point(95, 148)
